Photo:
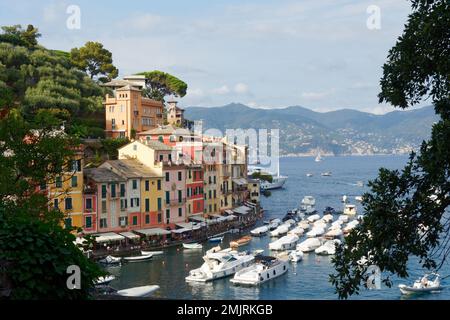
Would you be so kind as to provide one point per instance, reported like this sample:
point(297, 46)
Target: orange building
point(127, 112)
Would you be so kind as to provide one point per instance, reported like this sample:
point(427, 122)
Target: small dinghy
point(313, 218)
point(240, 242)
point(192, 246)
point(295, 256)
point(100, 281)
point(327, 218)
point(143, 291)
point(328, 248)
point(422, 285)
point(138, 258)
point(153, 253)
point(111, 260)
point(257, 252)
point(216, 239)
point(214, 249)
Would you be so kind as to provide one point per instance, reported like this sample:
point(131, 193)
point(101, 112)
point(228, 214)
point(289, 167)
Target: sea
point(308, 279)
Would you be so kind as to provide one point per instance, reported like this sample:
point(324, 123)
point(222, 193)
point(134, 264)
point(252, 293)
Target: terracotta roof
point(102, 175)
point(130, 168)
point(128, 87)
point(157, 145)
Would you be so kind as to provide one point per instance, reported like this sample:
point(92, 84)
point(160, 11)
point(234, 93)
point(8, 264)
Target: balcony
point(176, 202)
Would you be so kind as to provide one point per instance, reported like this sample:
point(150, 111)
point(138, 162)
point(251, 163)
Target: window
point(167, 214)
point(215, 194)
point(88, 204)
point(134, 184)
point(161, 157)
point(147, 185)
point(169, 156)
point(68, 203)
point(179, 175)
point(180, 212)
point(172, 138)
point(215, 179)
point(58, 182)
point(43, 186)
point(137, 201)
point(103, 206)
point(159, 184)
point(104, 191)
point(159, 217)
point(68, 223)
point(167, 197)
point(113, 190)
point(123, 204)
point(147, 205)
point(123, 221)
point(103, 223)
point(88, 222)
point(147, 219)
point(189, 208)
point(56, 204)
point(159, 204)
point(180, 196)
point(160, 139)
point(122, 190)
point(190, 174)
point(209, 180)
point(135, 220)
point(167, 177)
point(209, 194)
point(210, 208)
point(215, 207)
point(132, 202)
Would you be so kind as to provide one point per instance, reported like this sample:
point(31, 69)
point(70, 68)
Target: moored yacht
point(265, 268)
point(220, 264)
point(284, 243)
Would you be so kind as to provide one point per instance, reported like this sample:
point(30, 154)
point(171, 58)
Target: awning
point(182, 230)
point(188, 225)
point(229, 211)
point(240, 181)
point(130, 235)
point(153, 231)
point(230, 217)
point(242, 210)
point(108, 236)
point(250, 204)
point(197, 218)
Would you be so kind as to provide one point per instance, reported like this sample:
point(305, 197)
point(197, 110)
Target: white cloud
point(222, 90)
point(194, 92)
point(319, 95)
point(241, 88)
point(145, 21)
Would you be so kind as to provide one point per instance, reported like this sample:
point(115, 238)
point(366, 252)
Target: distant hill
point(346, 131)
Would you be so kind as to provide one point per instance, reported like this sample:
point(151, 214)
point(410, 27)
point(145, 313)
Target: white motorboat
point(326, 174)
point(350, 226)
point(319, 224)
point(318, 158)
point(359, 198)
point(257, 252)
point(344, 198)
point(277, 182)
point(423, 285)
point(264, 269)
point(307, 205)
point(104, 280)
point(327, 218)
point(260, 231)
point(295, 256)
point(279, 231)
point(138, 258)
point(333, 233)
point(218, 239)
point(313, 218)
point(111, 260)
point(219, 265)
point(315, 232)
point(336, 224)
point(309, 175)
point(309, 245)
point(350, 209)
point(304, 224)
point(284, 243)
point(192, 246)
point(153, 253)
point(297, 231)
point(143, 291)
point(343, 218)
point(214, 249)
point(289, 222)
point(328, 248)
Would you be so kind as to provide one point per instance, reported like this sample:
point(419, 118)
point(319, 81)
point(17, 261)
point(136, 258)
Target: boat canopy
point(153, 231)
point(188, 225)
point(108, 236)
point(228, 211)
point(129, 235)
point(182, 230)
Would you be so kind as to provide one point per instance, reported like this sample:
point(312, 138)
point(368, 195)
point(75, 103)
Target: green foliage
point(262, 176)
point(110, 146)
point(160, 84)
point(35, 249)
point(94, 59)
point(405, 209)
point(18, 36)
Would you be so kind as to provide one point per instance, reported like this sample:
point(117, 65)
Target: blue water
point(305, 280)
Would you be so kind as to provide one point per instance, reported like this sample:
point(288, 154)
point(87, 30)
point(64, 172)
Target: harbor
point(307, 279)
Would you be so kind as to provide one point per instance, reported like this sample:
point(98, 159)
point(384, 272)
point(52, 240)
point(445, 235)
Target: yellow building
point(66, 192)
point(152, 196)
point(254, 190)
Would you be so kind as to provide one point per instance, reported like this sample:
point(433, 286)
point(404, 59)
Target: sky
point(263, 53)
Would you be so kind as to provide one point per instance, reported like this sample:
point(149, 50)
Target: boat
point(320, 224)
point(329, 210)
point(260, 231)
point(423, 285)
point(315, 232)
point(318, 158)
point(343, 218)
point(279, 231)
point(277, 182)
point(309, 245)
point(192, 245)
point(143, 291)
point(350, 209)
point(153, 253)
point(326, 174)
point(309, 174)
point(328, 248)
point(304, 224)
point(297, 231)
point(307, 204)
point(359, 198)
point(215, 239)
point(327, 218)
point(295, 256)
point(350, 226)
point(333, 233)
point(219, 265)
point(264, 269)
point(104, 280)
point(284, 243)
point(313, 218)
point(138, 258)
point(360, 183)
point(344, 199)
point(111, 260)
point(240, 242)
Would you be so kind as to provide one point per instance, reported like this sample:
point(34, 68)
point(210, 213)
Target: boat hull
point(277, 183)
